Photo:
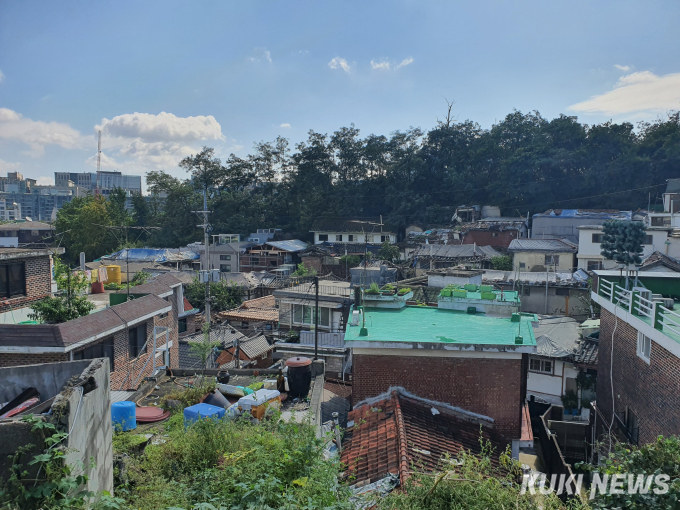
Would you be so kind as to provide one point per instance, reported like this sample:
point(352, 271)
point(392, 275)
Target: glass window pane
point(307, 319)
point(297, 313)
point(324, 317)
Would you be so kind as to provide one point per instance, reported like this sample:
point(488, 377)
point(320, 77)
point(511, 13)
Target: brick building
point(469, 360)
point(124, 333)
point(25, 277)
point(497, 232)
point(642, 338)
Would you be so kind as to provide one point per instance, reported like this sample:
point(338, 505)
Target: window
point(644, 347)
point(35, 233)
point(649, 239)
point(225, 268)
point(12, 280)
point(494, 234)
point(254, 261)
point(384, 238)
point(304, 314)
point(561, 291)
point(137, 339)
point(225, 257)
point(552, 260)
point(350, 237)
point(182, 325)
point(593, 265)
point(597, 238)
point(526, 291)
point(338, 238)
point(323, 237)
point(661, 221)
point(101, 350)
point(542, 366)
point(522, 265)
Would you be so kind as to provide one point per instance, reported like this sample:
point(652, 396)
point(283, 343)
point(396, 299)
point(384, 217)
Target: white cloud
point(622, 68)
point(339, 63)
point(260, 54)
point(384, 65)
point(162, 127)
point(636, 92)
point(2, 77)
point(405, 62)
point(36, 133)
point(6, 166)
point(285, 125)
point(45, 181)
point(106, 162)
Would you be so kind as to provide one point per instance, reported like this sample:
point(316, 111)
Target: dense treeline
point(525, 163)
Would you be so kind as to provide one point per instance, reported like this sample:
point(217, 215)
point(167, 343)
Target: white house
point(589, 254)
point(337, 230)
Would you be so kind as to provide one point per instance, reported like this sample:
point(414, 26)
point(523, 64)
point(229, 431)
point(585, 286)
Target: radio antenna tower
point(99, 159)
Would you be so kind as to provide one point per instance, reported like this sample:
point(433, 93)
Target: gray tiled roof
point(447, 251)
point(254, 347)
point(543, 245)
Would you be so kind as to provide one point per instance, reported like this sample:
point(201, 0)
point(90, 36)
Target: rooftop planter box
point(387, 301)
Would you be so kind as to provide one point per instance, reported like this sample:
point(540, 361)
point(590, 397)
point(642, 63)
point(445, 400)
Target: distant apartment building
point(9, 211)
point(339, 230)
point(103, 181)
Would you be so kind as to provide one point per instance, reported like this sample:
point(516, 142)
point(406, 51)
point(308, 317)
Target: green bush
point(373, 289)
point(502, 263)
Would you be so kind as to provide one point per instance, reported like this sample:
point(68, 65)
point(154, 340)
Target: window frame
point(135, 349)
point(323, 237)
point(103, 349)
point(541, 366)
point(649, 240)
point(598, 263)
point(13, 288)
point(596, 238)
point(644, 347)
point(225, 268)
point(350, 238)
point(181, 325)
point(552, 260)
point(225, 257)
point(338, 238)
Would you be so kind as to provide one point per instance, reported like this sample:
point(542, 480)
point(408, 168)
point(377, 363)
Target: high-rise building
point(103, 181)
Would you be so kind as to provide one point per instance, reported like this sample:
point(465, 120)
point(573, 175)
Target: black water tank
point(299, 376)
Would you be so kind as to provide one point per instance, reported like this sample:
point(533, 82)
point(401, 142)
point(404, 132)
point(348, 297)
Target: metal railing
point(325, 339)
point(660, 317)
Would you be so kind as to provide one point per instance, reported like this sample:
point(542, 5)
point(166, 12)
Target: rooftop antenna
point(99, 159)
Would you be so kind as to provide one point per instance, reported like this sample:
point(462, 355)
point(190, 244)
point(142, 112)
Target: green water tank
point(471, 310)
point(514, 317)
point(519, 340)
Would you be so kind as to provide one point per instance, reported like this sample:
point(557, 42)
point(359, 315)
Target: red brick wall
point(17, 360)
point(492, 387)
point(38, 283)
point(651, 391)
point(486, 238)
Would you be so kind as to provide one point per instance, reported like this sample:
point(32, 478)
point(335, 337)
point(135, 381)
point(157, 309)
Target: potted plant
point(570, 402)
point(373, 289)
point(404, 290)
point(388, 290)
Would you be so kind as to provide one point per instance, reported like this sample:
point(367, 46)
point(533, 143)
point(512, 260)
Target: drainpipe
point(336, 429)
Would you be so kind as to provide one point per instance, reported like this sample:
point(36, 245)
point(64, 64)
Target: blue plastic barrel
point(123, 415)
point(198, 411)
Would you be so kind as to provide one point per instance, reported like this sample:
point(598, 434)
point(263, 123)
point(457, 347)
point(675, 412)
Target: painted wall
point(443, 281)
point(551, 387)
point(358, 237)
point(588, 250)
point(536, 260)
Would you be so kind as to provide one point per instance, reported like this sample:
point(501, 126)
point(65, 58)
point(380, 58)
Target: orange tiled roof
point(389, 435)
point(263, 302)
point(252, 314)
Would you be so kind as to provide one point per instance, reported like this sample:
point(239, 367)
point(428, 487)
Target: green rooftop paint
point(435, 325)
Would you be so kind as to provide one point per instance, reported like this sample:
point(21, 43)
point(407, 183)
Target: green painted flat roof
point(509, 296)
point(434, 325)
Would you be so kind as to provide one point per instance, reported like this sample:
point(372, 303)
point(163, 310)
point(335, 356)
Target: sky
point(161, 79)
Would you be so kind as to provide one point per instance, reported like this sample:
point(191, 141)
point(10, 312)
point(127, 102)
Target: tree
point(223, 295)
point(388, 252)
point(69, 304)
point(205, 347)
point(622, 241)
point(303, 270)
point(501, 263)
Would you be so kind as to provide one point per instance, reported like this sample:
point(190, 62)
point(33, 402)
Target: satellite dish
point(28, 218)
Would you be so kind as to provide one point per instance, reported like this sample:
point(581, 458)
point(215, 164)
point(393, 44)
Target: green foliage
point(191, 394)
point(205, 347)
point(69, 304)
point(234, 464)
point(350, 260)
point(468, 482)
point(660, 457)
point(501, 263)
point(404, 290)
point(373, 289)
point(388, 252)
point(223, 295)
point(140, 278)
point(570, 400)
point(303, 270)
point(114, 286)
point(622, 241)
point(58, 485)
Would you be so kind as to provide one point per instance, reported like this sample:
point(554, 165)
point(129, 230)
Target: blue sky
point(163, 78)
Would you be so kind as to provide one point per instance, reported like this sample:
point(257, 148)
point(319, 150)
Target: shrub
point(373, 289)
point(502, 263)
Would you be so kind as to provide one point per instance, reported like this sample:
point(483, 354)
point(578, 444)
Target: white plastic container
point(257, 398)
point(270, 384)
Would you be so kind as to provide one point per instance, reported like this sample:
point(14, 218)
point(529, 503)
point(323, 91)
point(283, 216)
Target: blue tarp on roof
point(152, 255)
point(586, 213)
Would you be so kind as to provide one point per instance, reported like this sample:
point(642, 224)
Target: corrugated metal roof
point(152, 255)
point(293, 245)
point(26, 225)
point(454, 251)
point(542, 245)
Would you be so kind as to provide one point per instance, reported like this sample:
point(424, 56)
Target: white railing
point(606, 289)
point(670, 320)
point(325, 339)
point(623, 297)
point(644, 307)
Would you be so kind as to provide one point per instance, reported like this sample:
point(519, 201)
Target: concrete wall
point(532, 260)
point(533, 300)
point(357, 237)
point(544, 227)
point(443, 280)
point(495, 308)
point(590, 251)
point(48, 379)
point(550, 387)
point(83, 409)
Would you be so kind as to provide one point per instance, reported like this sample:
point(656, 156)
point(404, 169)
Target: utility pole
point(316, 318)
point(206, 241)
